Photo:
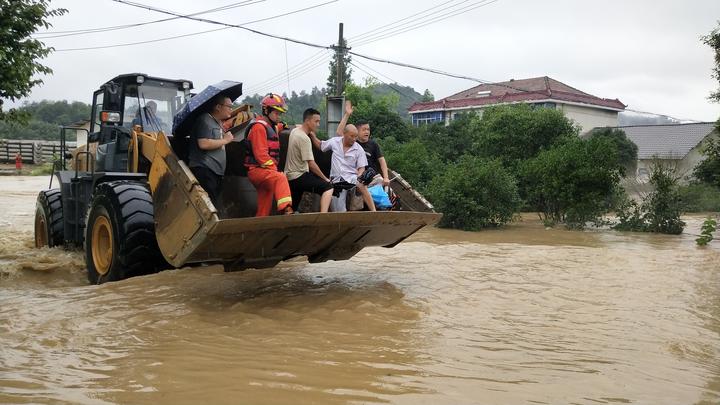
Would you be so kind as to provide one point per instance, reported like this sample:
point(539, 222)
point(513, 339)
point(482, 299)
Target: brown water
point(521, 315)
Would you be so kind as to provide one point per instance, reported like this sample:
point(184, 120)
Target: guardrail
point(32, 151)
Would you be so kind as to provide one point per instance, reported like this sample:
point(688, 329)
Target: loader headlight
point(109, 116)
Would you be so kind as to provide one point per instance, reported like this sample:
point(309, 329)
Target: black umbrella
point(184, 119)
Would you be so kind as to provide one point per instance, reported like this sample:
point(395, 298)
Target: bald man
point(348, 162)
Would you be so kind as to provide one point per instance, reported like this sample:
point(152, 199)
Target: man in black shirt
point(374, 154)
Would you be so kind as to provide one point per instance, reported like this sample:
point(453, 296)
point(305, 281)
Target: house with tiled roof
point(586, 110)
point(678, 146)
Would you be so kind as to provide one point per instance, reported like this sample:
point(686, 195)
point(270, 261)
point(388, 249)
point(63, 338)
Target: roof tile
point(513, 91)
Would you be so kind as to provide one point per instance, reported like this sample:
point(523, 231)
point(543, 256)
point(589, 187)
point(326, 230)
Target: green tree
point(346, 73)
point(627, 150)
point(574, 182)
point(417, 163)
point(34, 130)
point(406, 96)
point(297, 103)
point(664, 204)
point(700, 197)
point(20, 54)
point(45, 118)
point(517, 133)
point(427, 96)
point(451, 141)
point(660, 210)
point(708, 171)
point(475, 193)
point(378, 111)
point(713, 41)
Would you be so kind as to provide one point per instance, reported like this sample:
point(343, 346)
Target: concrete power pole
point(336, 102)
point(340, 52)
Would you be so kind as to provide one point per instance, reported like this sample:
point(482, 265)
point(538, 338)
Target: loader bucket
point(189, 230)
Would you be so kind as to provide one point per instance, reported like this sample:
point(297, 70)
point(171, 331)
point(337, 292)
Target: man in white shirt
point(300, 168)
point(348, 162)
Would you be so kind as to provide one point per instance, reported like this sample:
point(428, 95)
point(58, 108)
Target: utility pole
point(340, 52)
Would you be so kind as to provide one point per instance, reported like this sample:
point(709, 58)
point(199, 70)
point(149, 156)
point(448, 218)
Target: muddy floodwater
point(523, 315)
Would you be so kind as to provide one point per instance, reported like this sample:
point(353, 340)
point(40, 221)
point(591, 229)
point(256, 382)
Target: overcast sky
point(647, 54)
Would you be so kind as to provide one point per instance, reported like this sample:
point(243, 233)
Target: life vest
point(273, 142)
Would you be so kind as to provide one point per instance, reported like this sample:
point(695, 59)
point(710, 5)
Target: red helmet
point(275, 102)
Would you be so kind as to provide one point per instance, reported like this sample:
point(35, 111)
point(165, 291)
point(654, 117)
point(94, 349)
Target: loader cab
point(125, 102)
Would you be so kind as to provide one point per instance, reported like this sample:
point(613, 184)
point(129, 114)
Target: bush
point(664, 205)
point(572, 183)
point(413, 160)
point(474, 193)
point(700, 197)
point(517, 133)
point(378, 111)
point(627, 150)
point(709, 227)
point(660, 210)
point(450, 142)
point(708, 171)
point(42, 170)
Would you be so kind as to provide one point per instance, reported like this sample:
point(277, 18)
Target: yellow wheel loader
point(130, 200)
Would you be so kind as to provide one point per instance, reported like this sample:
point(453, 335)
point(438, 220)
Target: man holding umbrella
point(207, 147)
point(262, 143)
point(200, 119)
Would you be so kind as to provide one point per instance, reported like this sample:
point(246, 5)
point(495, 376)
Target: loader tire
point(49, 225)
point(120, 233)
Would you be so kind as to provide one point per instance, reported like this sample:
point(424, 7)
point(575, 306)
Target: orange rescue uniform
point(263, 172)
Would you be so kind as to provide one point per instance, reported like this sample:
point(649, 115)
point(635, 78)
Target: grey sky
point(648, 54)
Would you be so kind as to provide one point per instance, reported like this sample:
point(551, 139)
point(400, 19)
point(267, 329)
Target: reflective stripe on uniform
point(284, 200)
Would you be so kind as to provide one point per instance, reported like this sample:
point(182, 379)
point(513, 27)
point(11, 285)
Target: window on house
point(427, 118)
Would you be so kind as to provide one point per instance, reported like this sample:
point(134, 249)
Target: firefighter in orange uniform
point(262, 144)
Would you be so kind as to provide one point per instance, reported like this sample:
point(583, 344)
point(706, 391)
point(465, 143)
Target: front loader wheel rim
point(40, 232)
point(102, 244)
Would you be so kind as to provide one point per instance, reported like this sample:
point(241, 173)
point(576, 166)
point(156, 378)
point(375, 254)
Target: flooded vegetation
point(517, 315)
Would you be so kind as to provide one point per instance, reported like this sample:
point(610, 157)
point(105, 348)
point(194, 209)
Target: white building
point(586, 110)
point(678, 146)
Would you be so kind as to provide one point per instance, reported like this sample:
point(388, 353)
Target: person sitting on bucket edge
point(302, 172)
point(347, 164)
point(262, 152)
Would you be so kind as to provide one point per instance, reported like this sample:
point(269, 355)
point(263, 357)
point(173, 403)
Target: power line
point(440, 72)
point(419, 24)
point(194, 33)
point(298, 66)
point(140, 42)
point(397, 90)
point(60, 34)
point(382, 81)
point(226, 26)
point(322, 54)
point(374, 30)
point(308, 69)
point(297, 41)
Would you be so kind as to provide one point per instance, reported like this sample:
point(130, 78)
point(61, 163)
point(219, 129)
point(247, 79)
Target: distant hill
point(298, 102)
point(407, 96)
point(630, 118)
point(45, 119)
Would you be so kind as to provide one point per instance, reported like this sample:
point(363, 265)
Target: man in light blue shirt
point(348, 162)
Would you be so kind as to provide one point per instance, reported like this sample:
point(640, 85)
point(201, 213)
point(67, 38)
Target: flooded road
point(522, 315)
